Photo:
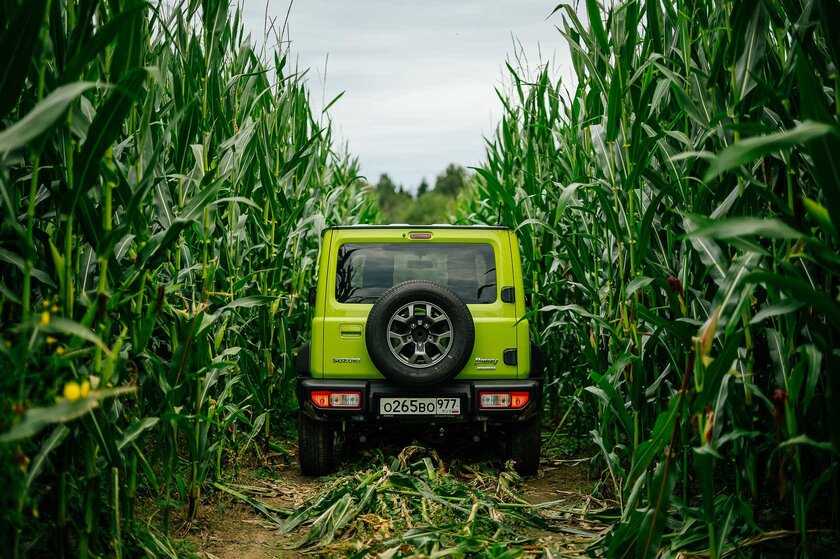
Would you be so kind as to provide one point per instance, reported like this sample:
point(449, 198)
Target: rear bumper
point(466, 391)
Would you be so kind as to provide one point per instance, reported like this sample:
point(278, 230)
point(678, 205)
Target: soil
point(228, 528)
point(231, 529)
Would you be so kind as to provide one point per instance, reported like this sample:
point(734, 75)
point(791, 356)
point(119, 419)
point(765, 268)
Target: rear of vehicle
point(419, 327)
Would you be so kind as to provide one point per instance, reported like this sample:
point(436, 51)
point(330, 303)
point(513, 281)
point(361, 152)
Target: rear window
point(366, 270)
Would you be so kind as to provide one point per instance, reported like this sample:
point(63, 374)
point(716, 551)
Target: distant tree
point(391, 198)
point(423, 188)
point(385, 187)
point(451, 181)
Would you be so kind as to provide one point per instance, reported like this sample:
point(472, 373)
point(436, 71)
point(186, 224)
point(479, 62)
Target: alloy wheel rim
point(420, 334)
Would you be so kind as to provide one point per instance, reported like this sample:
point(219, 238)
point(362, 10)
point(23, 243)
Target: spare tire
point(419, 333)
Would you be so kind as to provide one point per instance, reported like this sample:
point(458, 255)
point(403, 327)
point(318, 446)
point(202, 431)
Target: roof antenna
point(499, 222)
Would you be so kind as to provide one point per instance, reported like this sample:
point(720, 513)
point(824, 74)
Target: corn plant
point(163, 188)
point(678, 213)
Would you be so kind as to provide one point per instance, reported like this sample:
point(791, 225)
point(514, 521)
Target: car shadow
point(452, 448)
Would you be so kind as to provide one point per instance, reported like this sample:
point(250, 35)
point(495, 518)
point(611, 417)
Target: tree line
point(429, 204)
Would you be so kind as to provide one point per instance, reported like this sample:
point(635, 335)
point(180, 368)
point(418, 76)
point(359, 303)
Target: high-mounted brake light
point(503, 400)
point(336, 399)
point(419, 236)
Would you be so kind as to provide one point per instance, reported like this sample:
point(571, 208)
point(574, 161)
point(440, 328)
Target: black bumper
point(373, 390)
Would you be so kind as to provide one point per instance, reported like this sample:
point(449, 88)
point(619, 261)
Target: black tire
point(458, 351)
point(537, 361)
point(317, 453)
point(524, 444)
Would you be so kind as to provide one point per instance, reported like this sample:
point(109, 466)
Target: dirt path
point(231, 529)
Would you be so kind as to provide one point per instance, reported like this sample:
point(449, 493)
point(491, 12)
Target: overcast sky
point(418, 76)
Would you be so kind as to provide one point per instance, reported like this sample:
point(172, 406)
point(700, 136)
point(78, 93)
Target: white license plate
point(420, 406)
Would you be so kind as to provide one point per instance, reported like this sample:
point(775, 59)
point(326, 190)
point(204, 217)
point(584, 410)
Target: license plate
point(420, 406)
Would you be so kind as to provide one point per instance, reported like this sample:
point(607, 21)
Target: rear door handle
point(350, 331)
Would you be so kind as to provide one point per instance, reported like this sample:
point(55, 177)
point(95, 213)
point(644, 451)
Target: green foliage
point(163, 190)
point(452, 181)
point(423, 188)
point(429, 206)
point(678, 215)
point(392, 199)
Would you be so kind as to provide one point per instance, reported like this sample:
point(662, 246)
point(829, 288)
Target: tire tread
point(316, 447)
point(524, 442)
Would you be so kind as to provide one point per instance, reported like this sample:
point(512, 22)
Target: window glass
point(366, 270)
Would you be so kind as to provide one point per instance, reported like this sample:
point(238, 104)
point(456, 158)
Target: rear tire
point(524, 444)
point(317, 453)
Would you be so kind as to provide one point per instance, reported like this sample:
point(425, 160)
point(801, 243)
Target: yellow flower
point(35, 513)
point(55, 309)
point(85, 388)
point(72, 391)
point(51, 340)
point(45, 318)
point(59, 350)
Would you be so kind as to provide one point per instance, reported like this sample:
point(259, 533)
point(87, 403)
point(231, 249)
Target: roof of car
point(409, 225)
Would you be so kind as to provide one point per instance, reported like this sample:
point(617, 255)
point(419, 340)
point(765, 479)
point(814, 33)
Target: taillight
point(503, 400)
point(336, 399)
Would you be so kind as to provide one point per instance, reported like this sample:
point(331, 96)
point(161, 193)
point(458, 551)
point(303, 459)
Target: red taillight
point(503, 400)
point(336, 399)
point(419, 236)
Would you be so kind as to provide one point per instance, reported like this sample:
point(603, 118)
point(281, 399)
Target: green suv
point(418, 327)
